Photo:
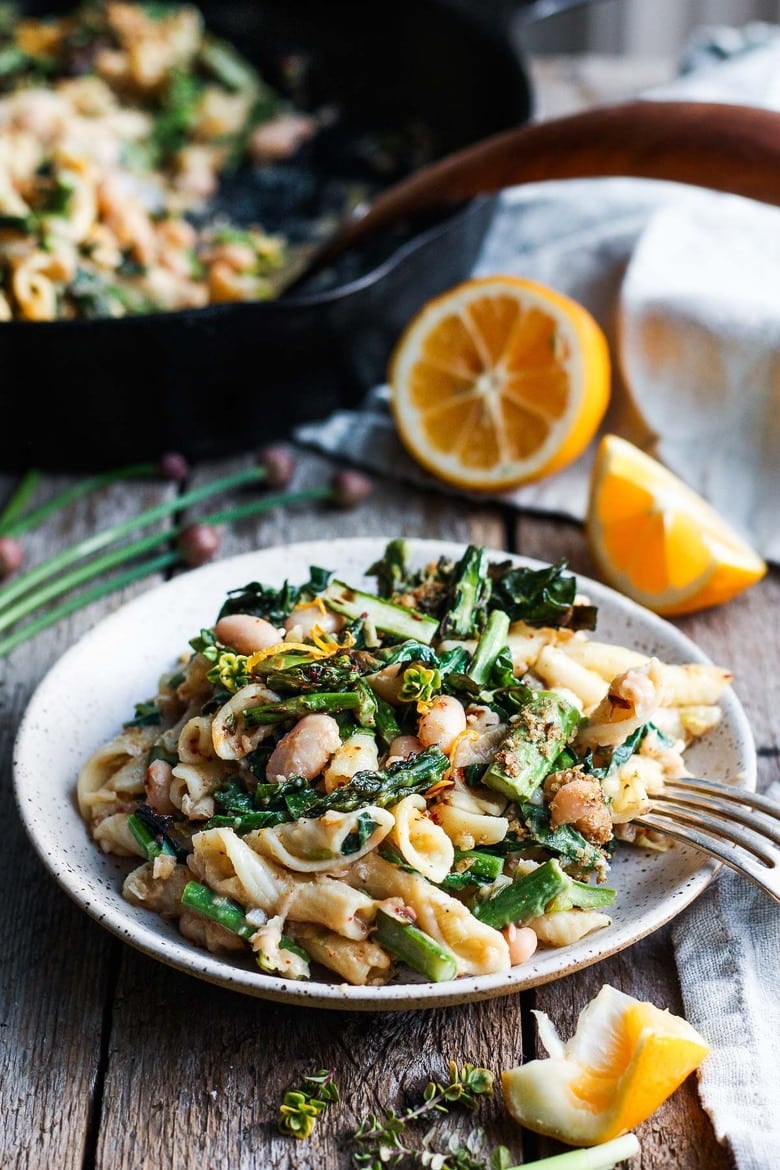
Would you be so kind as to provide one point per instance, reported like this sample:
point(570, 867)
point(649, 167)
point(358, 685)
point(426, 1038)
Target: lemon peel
point(626, 1057)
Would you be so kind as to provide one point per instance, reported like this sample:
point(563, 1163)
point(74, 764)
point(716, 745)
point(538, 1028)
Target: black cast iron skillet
point(420, 75)
point(93, 394)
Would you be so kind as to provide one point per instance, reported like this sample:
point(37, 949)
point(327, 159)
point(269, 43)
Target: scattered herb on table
point(302, 1106)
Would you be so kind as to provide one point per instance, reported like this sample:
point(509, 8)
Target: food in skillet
point(427, 778)
point(116, 123)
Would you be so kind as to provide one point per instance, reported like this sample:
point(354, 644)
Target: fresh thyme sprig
point(382, 1141)
point(302, 1106)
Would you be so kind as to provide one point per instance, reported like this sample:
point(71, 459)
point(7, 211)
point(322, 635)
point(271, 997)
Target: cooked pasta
point(377, 784)
point(117, 122)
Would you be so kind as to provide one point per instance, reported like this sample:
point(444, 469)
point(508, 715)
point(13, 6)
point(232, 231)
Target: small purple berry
point(278, 462)
point(199, 543)
point(174, 466)
point(350, 488)
point(11, 556)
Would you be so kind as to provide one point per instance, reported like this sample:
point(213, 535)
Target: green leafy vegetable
point(540, 597)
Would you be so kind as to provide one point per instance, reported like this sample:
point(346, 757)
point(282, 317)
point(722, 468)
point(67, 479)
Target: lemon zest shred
point(283, 648)
point(439, 787)
point(315, 603)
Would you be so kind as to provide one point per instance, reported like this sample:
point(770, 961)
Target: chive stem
point(18, 524)
point(602, 1157)
point(103, 564)
point(154, 565)
point(62, 583)
point(84, 548)
point(18, 501)
point(266, 504)
point(110, 560)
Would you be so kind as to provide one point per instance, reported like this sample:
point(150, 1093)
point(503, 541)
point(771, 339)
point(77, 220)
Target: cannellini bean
point(304, 619)
point(522, 943)
point(580, 802)
point(404, 746)
point(306, 749)
point(157, 783)
point(245, 633)
point(442, 724)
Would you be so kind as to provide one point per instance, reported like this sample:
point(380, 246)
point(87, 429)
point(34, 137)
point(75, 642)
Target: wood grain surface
point(112, 1060)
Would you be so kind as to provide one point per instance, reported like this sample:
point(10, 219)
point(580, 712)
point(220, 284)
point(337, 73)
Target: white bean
point(245, 633)
point(304, 620)
point(306, 749)
point(522, 942)
point(442, 724)
point(404, 746)
point(157, 783)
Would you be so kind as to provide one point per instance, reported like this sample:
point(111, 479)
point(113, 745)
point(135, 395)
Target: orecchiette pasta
point(421, 842)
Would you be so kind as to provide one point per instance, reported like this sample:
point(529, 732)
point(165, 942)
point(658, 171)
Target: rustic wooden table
point(111, 1060)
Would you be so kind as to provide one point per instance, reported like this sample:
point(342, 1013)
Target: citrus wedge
point(657, 541)
point(625, 1059)
point(498, 382)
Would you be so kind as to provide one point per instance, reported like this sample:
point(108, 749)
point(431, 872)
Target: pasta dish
point(427, 779)
point(117, 122)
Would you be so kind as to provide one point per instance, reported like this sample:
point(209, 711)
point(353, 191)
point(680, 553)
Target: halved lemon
point(498, 382)
point(659, 542)
point(626, 1057)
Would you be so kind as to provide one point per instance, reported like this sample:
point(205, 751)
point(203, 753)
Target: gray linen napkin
point(585, 237)
point(727, 943)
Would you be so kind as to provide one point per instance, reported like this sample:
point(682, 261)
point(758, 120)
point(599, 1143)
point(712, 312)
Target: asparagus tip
point(278, 463)
point(11, 556)
point(350, 488)
point(199, 543)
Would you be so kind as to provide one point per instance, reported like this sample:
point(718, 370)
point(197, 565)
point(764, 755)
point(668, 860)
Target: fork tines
point(735, 826)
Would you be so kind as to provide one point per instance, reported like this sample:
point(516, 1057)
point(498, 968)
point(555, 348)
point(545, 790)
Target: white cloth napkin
point(695, 270)
point(727, 943)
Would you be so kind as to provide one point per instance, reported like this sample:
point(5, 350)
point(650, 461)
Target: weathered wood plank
point(391, 510)
point(202, 1078)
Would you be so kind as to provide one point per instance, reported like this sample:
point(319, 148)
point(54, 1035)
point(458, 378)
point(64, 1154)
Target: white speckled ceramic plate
point(92, 689)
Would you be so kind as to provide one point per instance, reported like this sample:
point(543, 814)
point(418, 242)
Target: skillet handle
point(724, 147)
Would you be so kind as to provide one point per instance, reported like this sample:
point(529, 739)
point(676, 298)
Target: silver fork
point(739, 828)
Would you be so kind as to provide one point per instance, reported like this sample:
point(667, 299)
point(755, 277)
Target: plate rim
point(194, 961)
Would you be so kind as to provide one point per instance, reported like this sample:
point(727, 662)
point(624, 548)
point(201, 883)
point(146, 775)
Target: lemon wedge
point(659, 542)
point(625, 1059)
